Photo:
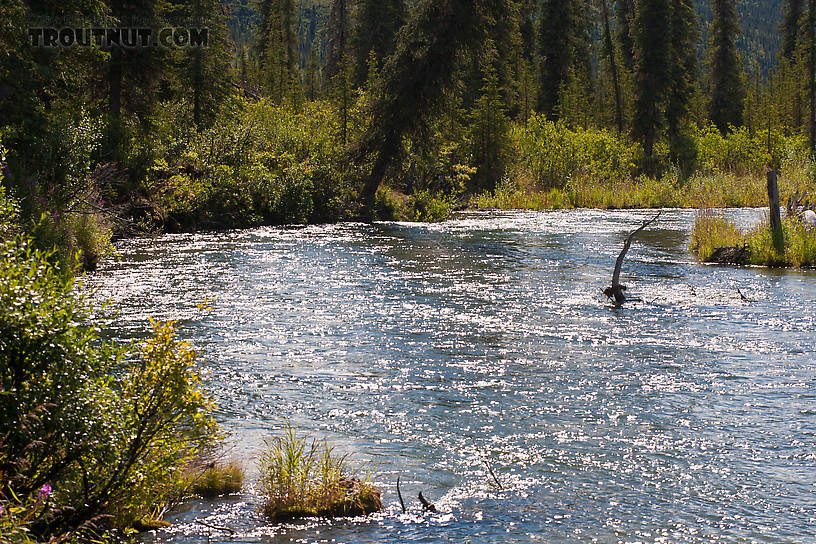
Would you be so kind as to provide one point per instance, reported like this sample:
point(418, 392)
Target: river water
point(432, 351)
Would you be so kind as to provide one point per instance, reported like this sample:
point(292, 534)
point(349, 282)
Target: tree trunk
point(776, 219)
point(610, 46)
point(812, 71)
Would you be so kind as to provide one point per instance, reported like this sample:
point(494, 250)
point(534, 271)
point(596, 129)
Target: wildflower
point(45, 492)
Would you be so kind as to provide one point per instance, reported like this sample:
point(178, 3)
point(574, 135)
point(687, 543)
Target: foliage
point(303, 478)
point(726, 78)
point(259, 164)
point(107, 438)
point(426, 207)
point(552, 154)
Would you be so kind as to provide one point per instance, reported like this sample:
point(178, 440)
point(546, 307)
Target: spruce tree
point(652, 69)
point(564, 45)
point(626, 18)
point(207, 68)
point(610, 52)
point(683, 69)
point(377, 24)
point(339, 37)
point(811, 33)
point(277, 47)
point(725, 70)
point(791, 28)
point(489, 125)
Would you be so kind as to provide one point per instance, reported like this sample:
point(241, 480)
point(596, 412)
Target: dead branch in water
point(490, 470)
point(425, 504)
point(616, 290)
point(399, 494)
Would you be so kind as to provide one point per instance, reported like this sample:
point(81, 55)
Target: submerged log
point(617, 291)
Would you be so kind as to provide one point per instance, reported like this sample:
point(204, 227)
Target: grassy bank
point(714, 238)
point(557, 167)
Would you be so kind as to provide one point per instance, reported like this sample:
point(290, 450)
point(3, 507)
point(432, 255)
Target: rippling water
point(424, 350)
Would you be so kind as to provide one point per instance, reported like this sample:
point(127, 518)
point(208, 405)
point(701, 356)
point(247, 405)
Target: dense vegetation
point(92, 438)
point(297, 112)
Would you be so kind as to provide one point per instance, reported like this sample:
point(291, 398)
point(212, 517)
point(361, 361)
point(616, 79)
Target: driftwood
point(617, 291)
point(495, 478)
point(425, 504)
point(737, 255)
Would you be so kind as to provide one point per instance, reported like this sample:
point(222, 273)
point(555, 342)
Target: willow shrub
point(259, 164)
point(106, 431)
point(552, 154)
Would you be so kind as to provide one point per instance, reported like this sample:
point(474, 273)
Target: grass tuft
point(216, 479)
point(305, 478)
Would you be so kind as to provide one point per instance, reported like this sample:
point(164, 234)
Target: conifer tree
point(811, 33)
point(626, 18)
point(564, 46)
point(377, 24)
point(652, 69)
point(339, 37)
point(726, 71)
point(207, 70)
point(610, 52)
point(277, 47)
point(489, 126)
point(683, 69)
point(791, 28)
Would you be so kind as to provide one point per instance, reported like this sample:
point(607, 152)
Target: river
point(430, 351)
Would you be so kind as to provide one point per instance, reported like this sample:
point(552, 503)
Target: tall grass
point(215, 479)
point(305, 478)
point(712, 230)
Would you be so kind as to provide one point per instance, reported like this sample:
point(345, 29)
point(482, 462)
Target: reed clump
point(301, 477)
point(714, 238)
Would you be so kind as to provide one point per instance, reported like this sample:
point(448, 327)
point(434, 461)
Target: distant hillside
point(759, 19)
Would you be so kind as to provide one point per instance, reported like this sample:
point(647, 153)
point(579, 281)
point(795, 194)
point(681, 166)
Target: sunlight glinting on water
point(430, 351)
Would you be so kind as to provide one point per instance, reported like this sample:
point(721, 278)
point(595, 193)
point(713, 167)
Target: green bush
point(554, 154)
point(425, 207)
point(106, 431)
point(259, 164)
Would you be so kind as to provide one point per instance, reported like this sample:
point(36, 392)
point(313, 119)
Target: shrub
point(110, 438)
point(303, 478)
point(554, 154)
point(425, 207)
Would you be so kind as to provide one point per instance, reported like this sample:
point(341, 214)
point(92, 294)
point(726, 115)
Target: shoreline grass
point(215, 479)
point(712, 233)
point(718, 190)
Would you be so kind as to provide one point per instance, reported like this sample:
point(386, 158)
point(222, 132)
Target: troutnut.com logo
point(166, 37)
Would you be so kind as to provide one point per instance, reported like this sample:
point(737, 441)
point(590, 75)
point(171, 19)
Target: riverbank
point(717, 239)
point(262, 164)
